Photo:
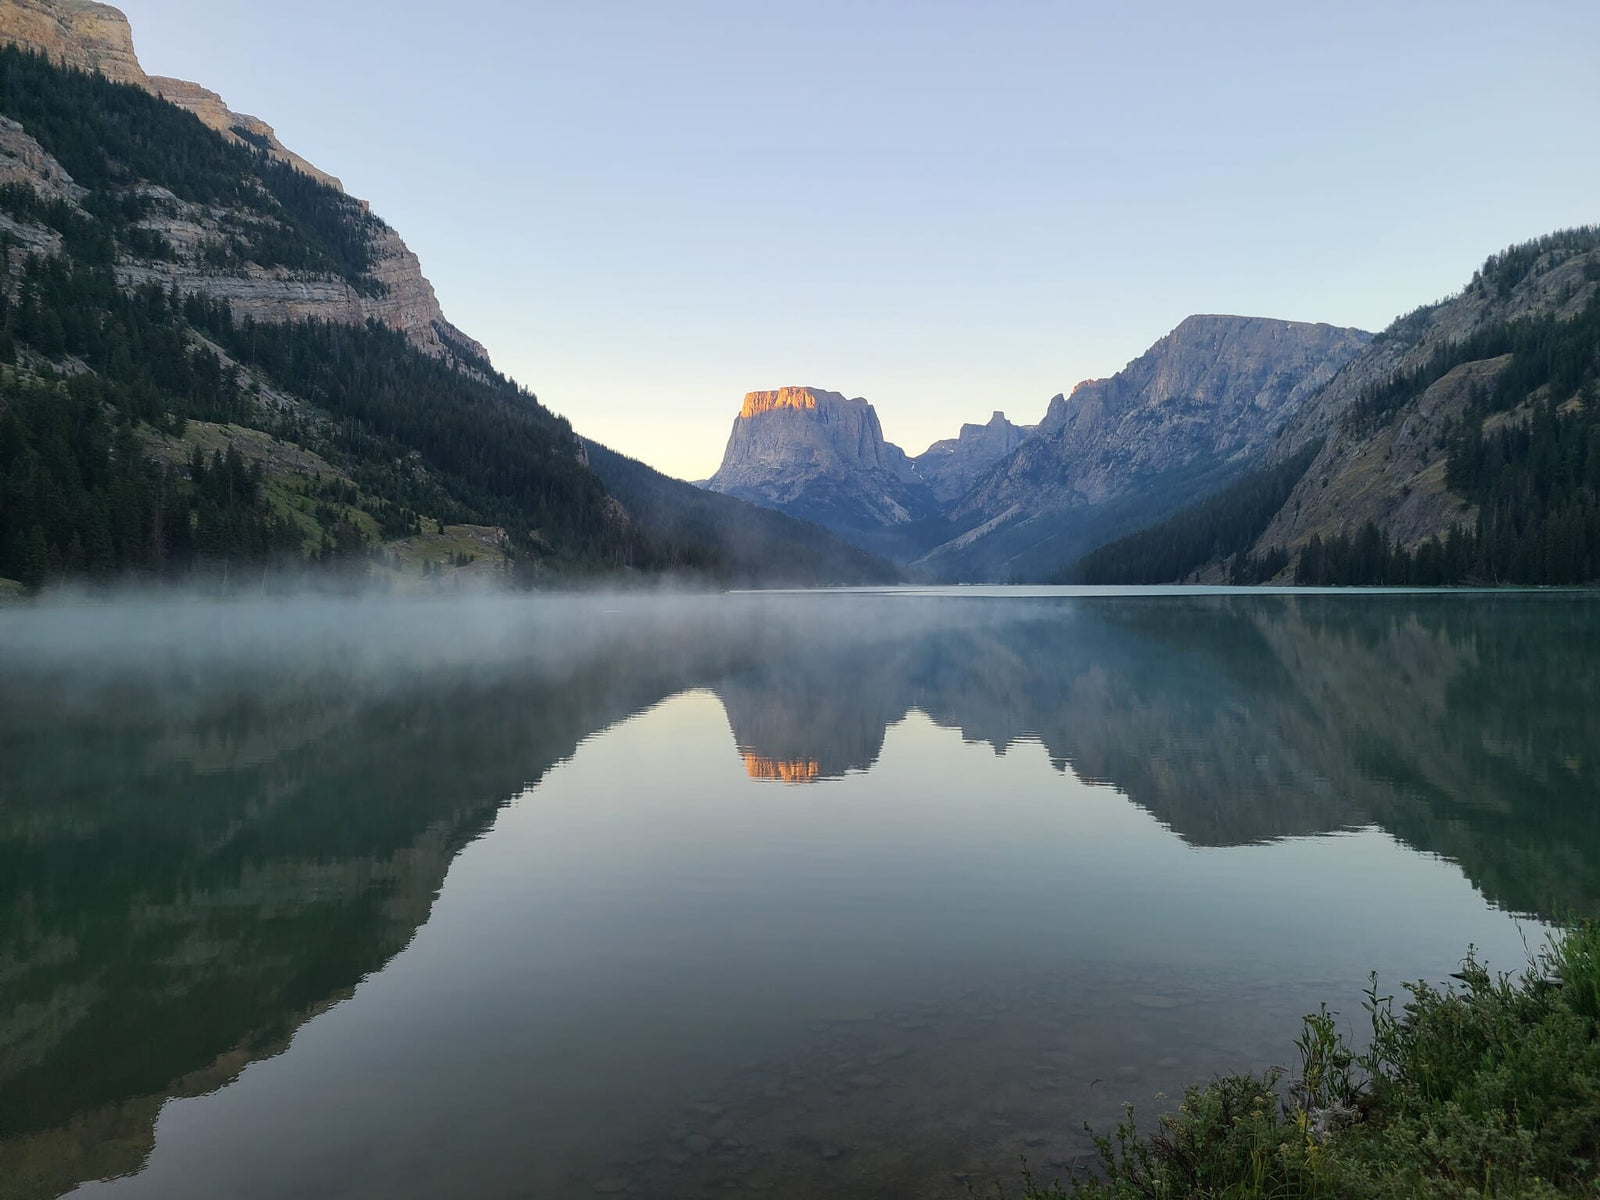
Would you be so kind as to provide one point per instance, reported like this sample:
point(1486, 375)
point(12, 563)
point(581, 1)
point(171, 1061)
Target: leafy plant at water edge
point(1489, 1087)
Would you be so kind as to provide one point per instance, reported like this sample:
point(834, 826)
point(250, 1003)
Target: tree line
point(1221, 527)
point(79, 496)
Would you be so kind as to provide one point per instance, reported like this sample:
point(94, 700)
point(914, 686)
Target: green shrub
point(1488, 1087)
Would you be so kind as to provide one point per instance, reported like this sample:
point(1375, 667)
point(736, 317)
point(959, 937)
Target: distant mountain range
point(1460, 445)
point(213, 358)
point(1004, 501)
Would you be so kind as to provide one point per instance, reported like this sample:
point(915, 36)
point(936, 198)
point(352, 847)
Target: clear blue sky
point(647, 209)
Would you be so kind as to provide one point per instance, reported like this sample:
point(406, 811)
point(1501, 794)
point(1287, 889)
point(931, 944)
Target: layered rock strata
point(90, 36)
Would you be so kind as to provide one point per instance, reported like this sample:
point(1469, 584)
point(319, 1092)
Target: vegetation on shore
point(1485, 1088)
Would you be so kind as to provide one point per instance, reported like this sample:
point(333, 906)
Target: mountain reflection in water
point(215, 825)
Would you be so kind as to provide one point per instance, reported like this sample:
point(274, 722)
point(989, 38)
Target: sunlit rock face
point(803, 770)
point(822, 457)
point(950, 468)
point(97, 37)
point(75, 33)
point(800, 398)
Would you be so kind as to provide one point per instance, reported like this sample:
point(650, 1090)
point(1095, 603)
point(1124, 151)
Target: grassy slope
point(291, 475)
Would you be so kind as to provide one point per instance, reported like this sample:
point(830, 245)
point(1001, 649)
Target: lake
point(784, 895)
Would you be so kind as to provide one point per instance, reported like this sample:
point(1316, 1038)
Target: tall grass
point(1487, 1087)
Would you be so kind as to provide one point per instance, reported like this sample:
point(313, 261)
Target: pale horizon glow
point(646, 211)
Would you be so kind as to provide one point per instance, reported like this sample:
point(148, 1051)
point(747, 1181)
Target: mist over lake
point(851, 894)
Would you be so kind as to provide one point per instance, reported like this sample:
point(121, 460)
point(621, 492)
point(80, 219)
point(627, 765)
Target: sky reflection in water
point(1047, 856)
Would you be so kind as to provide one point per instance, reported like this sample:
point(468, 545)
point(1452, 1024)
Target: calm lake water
point(845, 895)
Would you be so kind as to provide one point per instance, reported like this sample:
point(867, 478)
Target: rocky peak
point(807, 428)
point(821, 456)
point(1193, 411)
point(1208, 359)
point(952, 466)
point(89, 36)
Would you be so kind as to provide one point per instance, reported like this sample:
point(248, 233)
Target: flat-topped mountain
point(822, 457)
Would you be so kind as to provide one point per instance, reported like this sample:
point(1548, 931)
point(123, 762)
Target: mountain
point(212, 359)
point(154, 427)
point(1003, 501)
point(1461, 445)
point(1193, 412)
point(1439, 424)
point(950, 468)
point(95, 37)
point(821, 457)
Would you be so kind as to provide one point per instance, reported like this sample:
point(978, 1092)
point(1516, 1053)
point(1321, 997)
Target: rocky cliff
point(951, 467)
point(76, 33)
point(1195, 410)
point(97, 37)
point(822, 457)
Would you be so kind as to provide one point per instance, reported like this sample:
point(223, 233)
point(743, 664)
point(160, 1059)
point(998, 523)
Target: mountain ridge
point(1462, 445)
point(1177, 422)
point(98, 38)
point(1370, 464)
point(1002, 501)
